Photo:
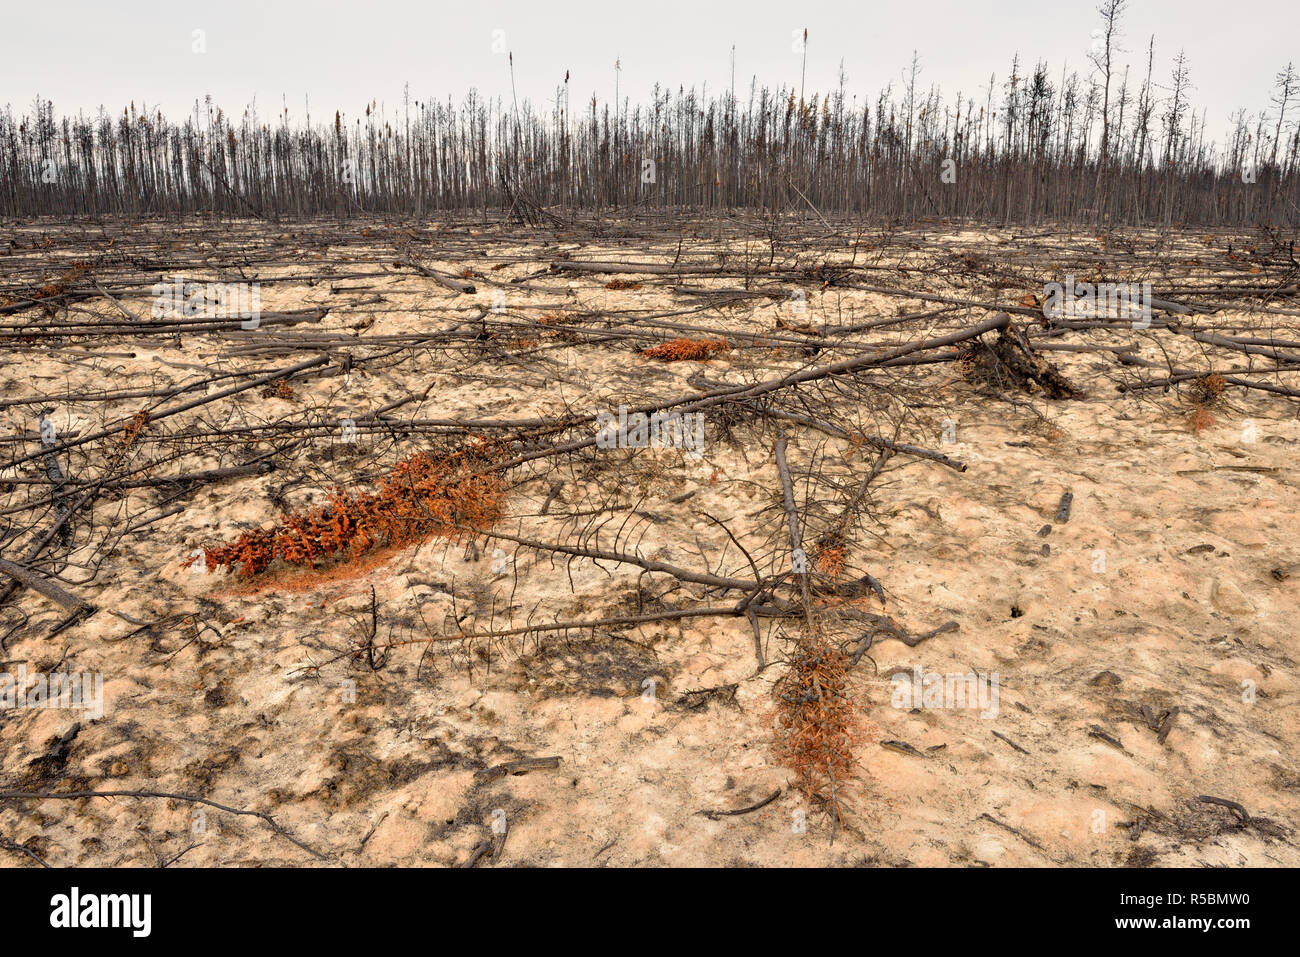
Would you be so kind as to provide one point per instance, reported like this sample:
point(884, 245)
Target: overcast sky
point(342, 55)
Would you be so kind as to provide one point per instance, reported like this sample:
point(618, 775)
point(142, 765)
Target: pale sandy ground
point(390, 778)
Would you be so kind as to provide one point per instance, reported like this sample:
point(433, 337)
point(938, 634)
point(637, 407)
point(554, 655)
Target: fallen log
point(455, 285)
point(42, 585)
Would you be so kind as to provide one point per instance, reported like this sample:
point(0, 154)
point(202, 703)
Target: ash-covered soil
point(1143, 647)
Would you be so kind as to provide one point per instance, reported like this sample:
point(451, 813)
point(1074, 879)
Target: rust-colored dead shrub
point(58, 287)
point(1205, 393)
point(429, 494)
point(1208, 388)
point(830, 560)
point(818, 727)
point(675, 350)
point(558, 319)
point(76, 271)
point(131, 431)
point(280, 390)
point(1200, 420)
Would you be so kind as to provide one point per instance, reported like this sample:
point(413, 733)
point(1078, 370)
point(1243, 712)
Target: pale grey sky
point(85, 53)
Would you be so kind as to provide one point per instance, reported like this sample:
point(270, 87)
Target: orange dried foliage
point(75, 272)
point(818, 727)
point(1200, 420)
point(557, 319)
point(1211, 386)
point(1205, 393)
point(278, 390)
point(830, 561)
point(426, 495)
point(131, 430)
point(677, 350)
point(58, 286)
